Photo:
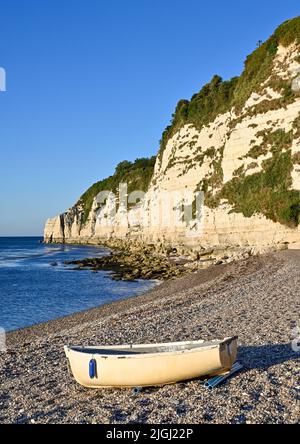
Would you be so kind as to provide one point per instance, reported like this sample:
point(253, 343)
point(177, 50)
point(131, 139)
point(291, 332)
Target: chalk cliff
point(237, 142)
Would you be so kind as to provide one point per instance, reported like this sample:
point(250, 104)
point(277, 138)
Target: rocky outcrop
point(245, 161)
point(55, 229)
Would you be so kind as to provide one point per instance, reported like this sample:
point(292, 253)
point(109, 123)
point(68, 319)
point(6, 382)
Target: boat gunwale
point(210, 345)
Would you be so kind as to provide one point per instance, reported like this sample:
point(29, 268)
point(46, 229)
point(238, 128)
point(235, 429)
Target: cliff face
point(238, 142)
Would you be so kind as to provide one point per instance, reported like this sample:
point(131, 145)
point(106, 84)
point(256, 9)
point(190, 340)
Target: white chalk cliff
point(231, 159)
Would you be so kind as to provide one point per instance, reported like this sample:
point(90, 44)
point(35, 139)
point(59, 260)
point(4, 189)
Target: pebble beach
point(257, 299)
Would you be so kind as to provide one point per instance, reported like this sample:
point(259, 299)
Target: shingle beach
point(257, 299)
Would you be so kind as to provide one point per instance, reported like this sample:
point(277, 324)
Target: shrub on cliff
point(136, 174)
point(219, 96)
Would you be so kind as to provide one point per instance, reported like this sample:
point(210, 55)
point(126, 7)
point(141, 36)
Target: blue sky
point(94, 82)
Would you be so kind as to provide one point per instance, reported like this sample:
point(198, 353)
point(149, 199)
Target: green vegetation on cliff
point(219, 96)
point(136, 174)
point(268, 191)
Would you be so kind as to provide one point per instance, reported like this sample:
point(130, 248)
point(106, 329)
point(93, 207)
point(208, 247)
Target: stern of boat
point(228, 352)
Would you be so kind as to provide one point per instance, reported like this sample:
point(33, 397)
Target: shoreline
point(132, 260)
point(54, 325)
point(256, 298)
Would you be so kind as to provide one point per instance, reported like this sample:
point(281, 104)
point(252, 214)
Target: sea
point(36, 286)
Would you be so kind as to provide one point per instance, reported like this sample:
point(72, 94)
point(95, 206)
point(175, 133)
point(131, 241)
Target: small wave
point(12, 256)
point(9, 264)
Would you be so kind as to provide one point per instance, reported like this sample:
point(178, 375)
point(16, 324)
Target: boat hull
point(150, 369)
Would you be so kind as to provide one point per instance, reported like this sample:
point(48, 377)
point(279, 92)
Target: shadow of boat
point(264, 356)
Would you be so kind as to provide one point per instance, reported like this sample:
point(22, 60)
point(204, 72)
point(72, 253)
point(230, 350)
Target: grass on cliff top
point(136, 174)
point(219, 96)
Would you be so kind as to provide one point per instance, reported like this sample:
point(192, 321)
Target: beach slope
point(257, 299)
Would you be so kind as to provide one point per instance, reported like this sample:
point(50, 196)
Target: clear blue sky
point(94, 82)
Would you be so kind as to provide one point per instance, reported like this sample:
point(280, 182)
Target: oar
point(216, 380)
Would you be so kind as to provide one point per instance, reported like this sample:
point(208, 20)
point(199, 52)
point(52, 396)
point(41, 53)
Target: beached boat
point(150, 364)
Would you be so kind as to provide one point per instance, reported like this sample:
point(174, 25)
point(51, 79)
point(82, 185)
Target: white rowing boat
point(150, 364)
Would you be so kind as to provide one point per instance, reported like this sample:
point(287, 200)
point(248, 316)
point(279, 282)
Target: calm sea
point(32, 290)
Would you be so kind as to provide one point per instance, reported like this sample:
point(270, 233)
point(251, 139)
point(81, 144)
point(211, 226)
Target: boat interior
point(144, 349)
